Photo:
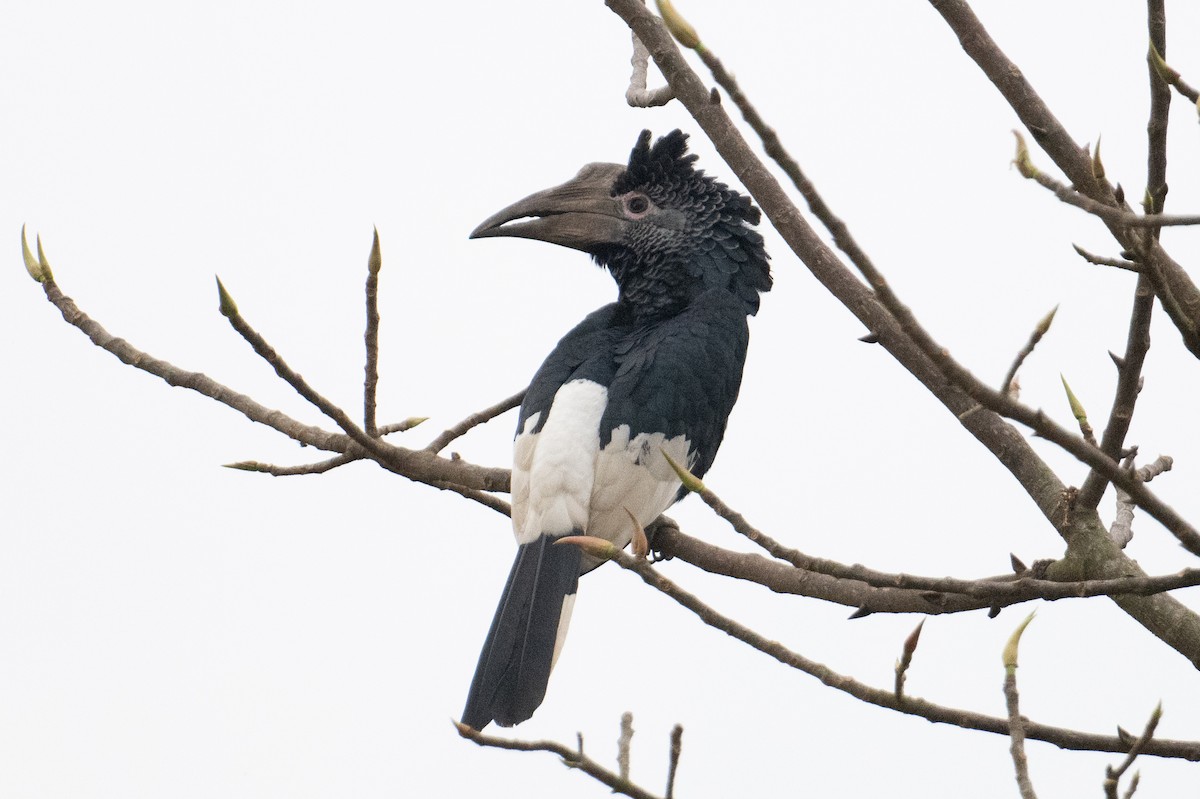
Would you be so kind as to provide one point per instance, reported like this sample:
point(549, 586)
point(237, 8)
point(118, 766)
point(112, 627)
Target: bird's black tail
point(515, 663)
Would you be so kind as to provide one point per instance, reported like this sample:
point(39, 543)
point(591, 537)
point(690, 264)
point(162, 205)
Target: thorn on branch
point(1021, 160)
point(640, 543)
point(226, 304)
point(1080, 414)
point(38, 268)
point(679, 27)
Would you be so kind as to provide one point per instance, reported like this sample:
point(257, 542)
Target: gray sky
point(172, 628)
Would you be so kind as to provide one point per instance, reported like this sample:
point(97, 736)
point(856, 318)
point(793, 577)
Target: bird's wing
point(672, 392)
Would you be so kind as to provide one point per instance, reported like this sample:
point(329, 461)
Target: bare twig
point(1129, 380)
point(377, 449)
point(371, 337)
point(1099, 260)
point(571, 758)
point(624, 741)
point(1036, 336)
point(673, 761)
point(1016, 722)
point(290, 471)
point(474, 420)
point(482, 497)
point(1114, 216)
point(401, 426)
point(1112, 776)
point(321, 467)
point(1168, 74)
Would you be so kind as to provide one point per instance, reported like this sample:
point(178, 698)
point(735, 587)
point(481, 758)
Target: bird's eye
point(637, 204)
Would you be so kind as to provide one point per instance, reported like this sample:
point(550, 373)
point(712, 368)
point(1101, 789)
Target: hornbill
point(655, 372)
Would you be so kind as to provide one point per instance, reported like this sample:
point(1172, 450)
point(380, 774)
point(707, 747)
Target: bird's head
point(666, 231)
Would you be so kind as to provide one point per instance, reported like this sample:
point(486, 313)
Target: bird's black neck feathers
point(698, 238)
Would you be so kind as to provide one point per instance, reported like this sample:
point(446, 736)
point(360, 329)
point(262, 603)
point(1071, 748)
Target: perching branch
point(1061, 737)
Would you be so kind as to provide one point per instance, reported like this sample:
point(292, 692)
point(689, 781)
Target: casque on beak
point(581, 213)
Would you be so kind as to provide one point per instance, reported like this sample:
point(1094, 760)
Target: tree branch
point(1061, 737)
point(1167, 619)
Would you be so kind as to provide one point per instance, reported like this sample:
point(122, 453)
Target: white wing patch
point(523, 449)
point(633, 475)
point(557, 482)
point(562, 481)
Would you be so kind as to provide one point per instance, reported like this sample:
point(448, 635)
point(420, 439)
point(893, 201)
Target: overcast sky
point(172, 628)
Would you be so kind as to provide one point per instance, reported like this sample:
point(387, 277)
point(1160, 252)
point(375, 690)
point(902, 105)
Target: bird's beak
point(581, 213)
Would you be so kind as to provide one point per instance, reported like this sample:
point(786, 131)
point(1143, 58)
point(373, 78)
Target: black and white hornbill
point(656, 371)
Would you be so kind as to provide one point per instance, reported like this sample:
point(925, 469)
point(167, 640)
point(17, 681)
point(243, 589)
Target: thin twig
point(673, 761)
point(1114, 216)
point(572, 758)
point(1112, 776)
point(482, 497)
point(1036, 336)
point(378, 449)
point(474, 420)
point(1016, 722)
point(1099, 260)
point(401, 426)
point(371, 337)
point(624, 742)
point(290, 471)
point(320, 467)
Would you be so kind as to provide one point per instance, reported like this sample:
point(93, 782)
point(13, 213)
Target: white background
point(172, 628)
